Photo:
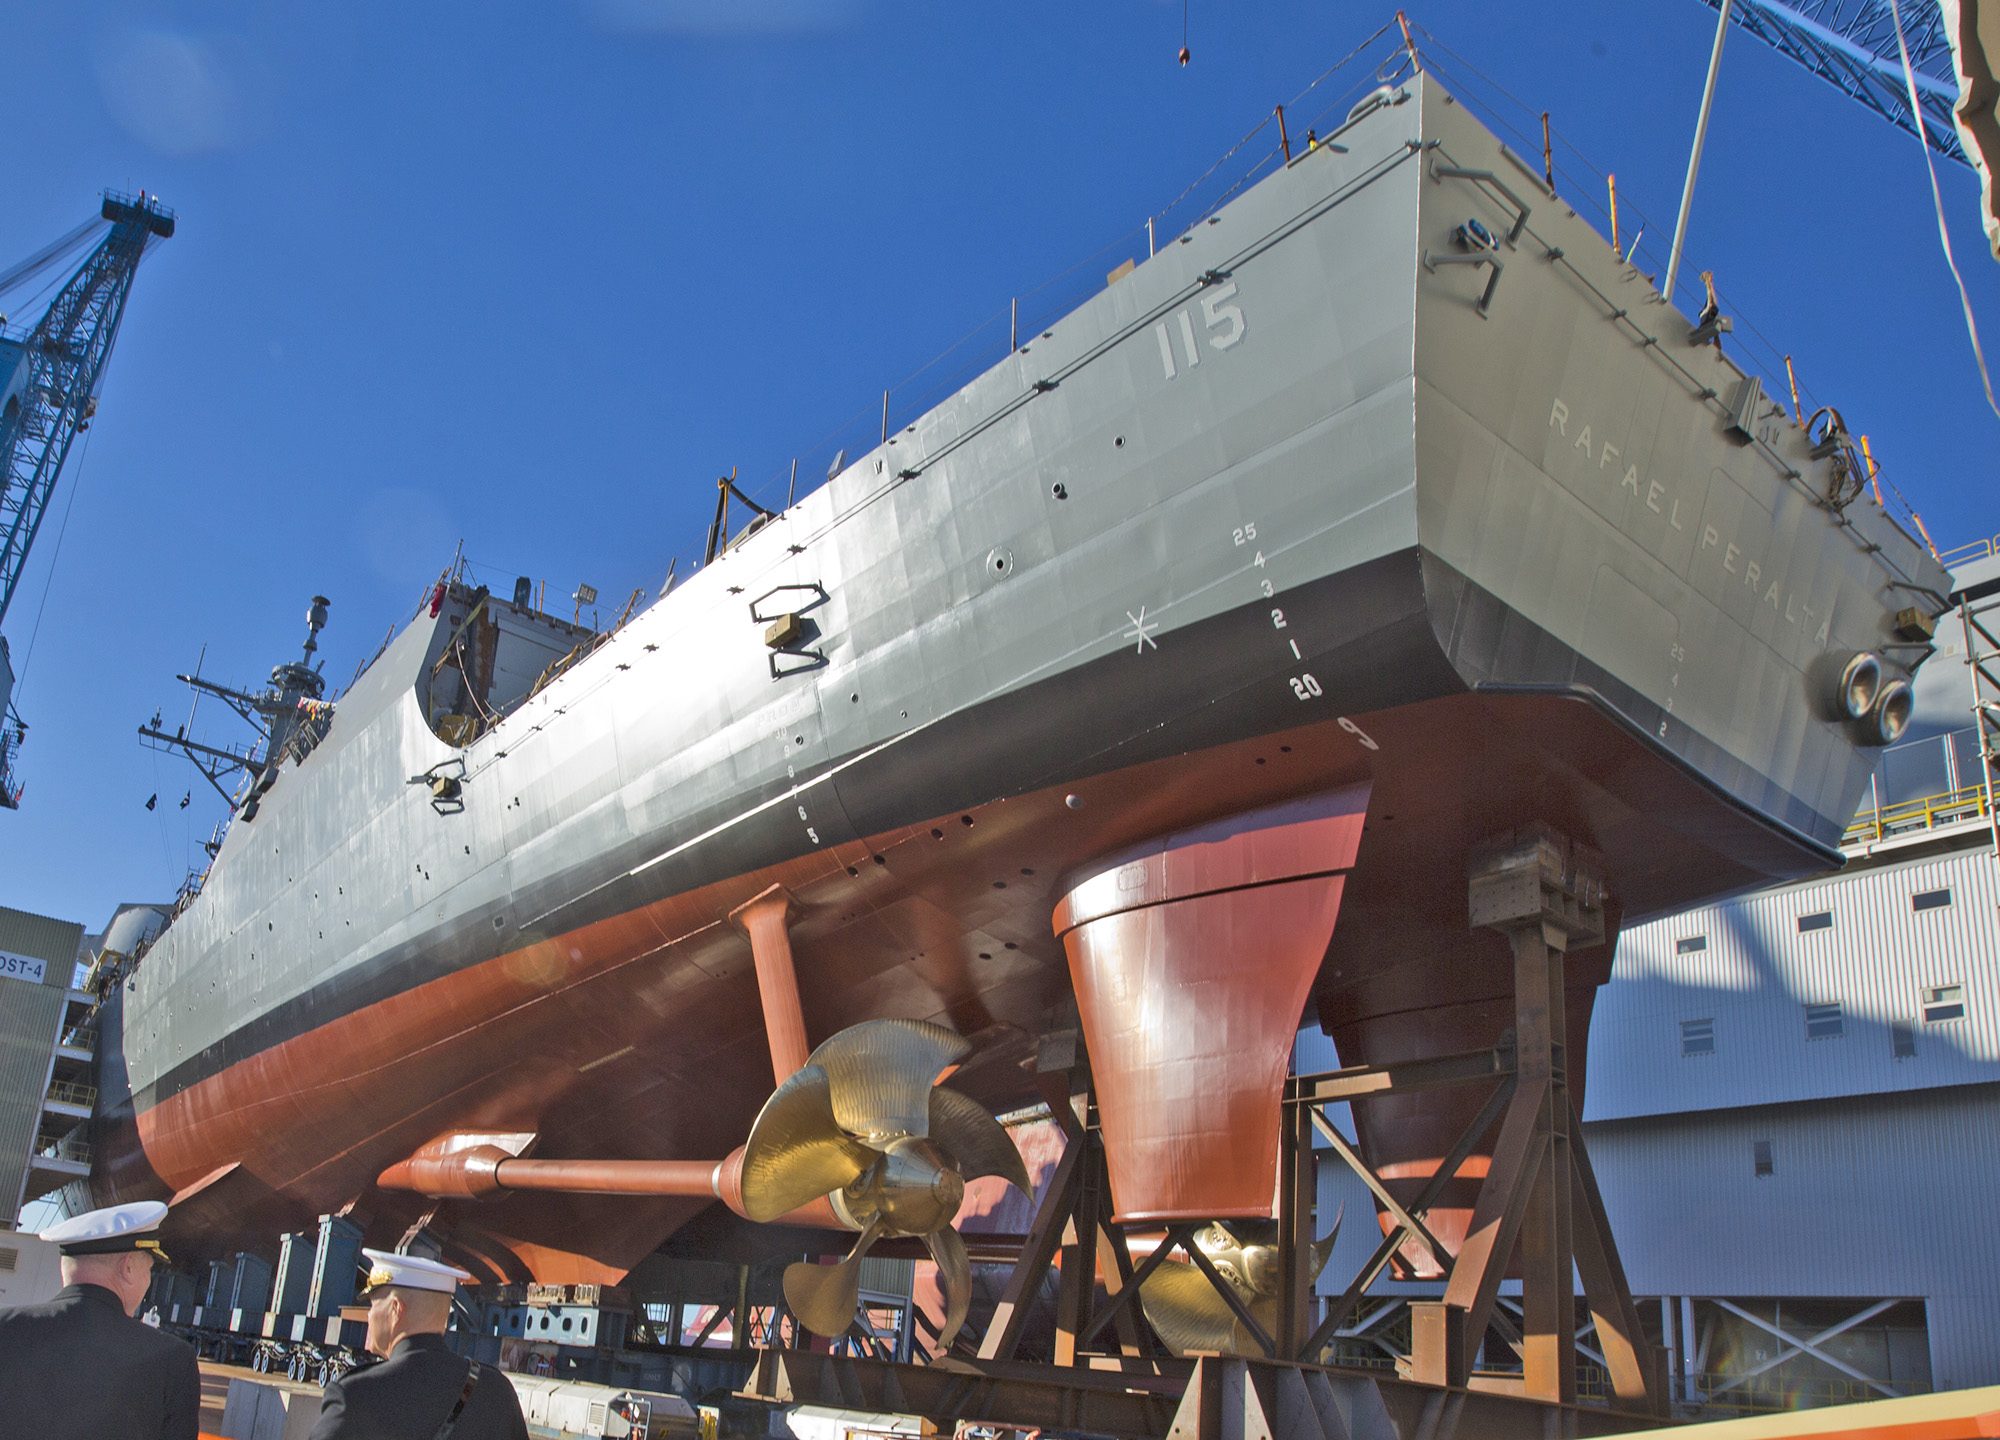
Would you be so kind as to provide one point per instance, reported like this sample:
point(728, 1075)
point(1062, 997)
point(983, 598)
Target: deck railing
point(1920, 786)
point(1914, 817)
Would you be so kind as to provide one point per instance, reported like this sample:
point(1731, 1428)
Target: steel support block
point(1539, 1206)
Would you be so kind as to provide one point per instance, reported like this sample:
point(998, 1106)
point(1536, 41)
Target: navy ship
point(1385, 509)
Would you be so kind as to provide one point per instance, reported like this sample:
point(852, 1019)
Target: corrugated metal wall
point(29, 1014)
point(1756, 972)
point(43, 938)
point(1871, 1197)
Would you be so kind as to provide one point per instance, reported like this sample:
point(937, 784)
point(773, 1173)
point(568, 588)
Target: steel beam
point(1543, 893)
point(1356, 1082)
point(1337, 1315)
point(1628, 1357)
point(1297, 1224)
point(1809, 1346)
point(1010, 1316)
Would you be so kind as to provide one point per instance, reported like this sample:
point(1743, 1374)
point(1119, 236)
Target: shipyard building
point(45, 1058)
point(1793, 1094)
point(52, 972)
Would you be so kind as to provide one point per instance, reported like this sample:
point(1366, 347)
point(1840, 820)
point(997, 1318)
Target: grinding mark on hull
point(606, 1059)
point(789, 797)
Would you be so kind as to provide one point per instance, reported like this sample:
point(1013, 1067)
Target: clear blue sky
point(531, 275)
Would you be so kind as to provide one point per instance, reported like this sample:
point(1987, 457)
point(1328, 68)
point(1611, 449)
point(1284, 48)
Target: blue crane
point(49, 378)
point(1851, 44)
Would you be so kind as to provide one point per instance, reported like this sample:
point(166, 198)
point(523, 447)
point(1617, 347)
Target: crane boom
point(49, 378)
point(55, 372)
point(1851, 44)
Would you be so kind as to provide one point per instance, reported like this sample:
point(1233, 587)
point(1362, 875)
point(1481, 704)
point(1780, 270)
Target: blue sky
point(530, 275)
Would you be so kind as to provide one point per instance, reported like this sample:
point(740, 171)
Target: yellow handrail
point(1950, 807)
point(1975, 550)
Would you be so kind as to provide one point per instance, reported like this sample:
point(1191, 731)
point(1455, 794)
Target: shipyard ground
point(215, 1381)
point(1953, 1415)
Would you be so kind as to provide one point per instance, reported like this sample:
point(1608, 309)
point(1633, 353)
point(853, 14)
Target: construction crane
point(49, 378)
point(1851, 44)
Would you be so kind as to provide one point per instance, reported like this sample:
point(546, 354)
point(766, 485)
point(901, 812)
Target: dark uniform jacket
point(80, 1368)
point(408, 1396)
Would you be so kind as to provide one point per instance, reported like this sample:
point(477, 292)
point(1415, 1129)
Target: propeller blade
point(1322, 1250)
point(881, 1073)
point(1186, 1313)
point(954, 1278)
point(797, 1151)
point(975, 1141)
point(824, 1296)
point(1241, 1341)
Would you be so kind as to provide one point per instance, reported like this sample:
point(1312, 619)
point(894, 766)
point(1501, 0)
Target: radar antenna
point(289, 717)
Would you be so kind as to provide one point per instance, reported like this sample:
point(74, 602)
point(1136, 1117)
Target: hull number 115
point(1223, 321)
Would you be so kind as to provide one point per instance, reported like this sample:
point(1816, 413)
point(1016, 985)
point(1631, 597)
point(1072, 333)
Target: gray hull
point(1284, 482)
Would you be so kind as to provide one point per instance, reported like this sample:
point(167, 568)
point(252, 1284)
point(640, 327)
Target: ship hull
point(638, 1034)
point(1289, 508)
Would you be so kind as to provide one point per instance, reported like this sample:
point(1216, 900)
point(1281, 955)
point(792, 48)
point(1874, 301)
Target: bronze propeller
point(865, 1124)
point(1187, 1313)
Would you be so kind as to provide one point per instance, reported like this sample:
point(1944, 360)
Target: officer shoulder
point(364, 1377)
point(147, 1340)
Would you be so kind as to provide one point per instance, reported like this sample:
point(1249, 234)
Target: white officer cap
point(411, 1272)
point(113, 1230)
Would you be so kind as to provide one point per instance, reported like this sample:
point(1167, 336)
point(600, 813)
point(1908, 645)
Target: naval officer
point(421, 1390)
point(79, 1367)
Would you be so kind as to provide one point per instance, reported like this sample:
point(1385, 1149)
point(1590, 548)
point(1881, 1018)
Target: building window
point(1689, 944)
point(1943, 1002)
point(1818, 920)
point(1760, 1157)
point(1823, 1022)
point(1698, 1037)
point(1902, 1040)
point(1930, 899)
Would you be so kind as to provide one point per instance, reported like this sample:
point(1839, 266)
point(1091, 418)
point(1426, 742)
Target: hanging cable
point(1184, 34)
point(1937, 200)
point(50, 254)
point(42, 605)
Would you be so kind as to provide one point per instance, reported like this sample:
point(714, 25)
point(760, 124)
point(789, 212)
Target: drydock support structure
point(1231, 921)
point(1538, 1214)
point(1274, 876)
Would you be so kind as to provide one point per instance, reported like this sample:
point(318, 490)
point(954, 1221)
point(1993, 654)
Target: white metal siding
point(1758, 973)
point(1869, 1197)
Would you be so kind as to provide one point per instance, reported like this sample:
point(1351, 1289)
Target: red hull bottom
point(641, 1036)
